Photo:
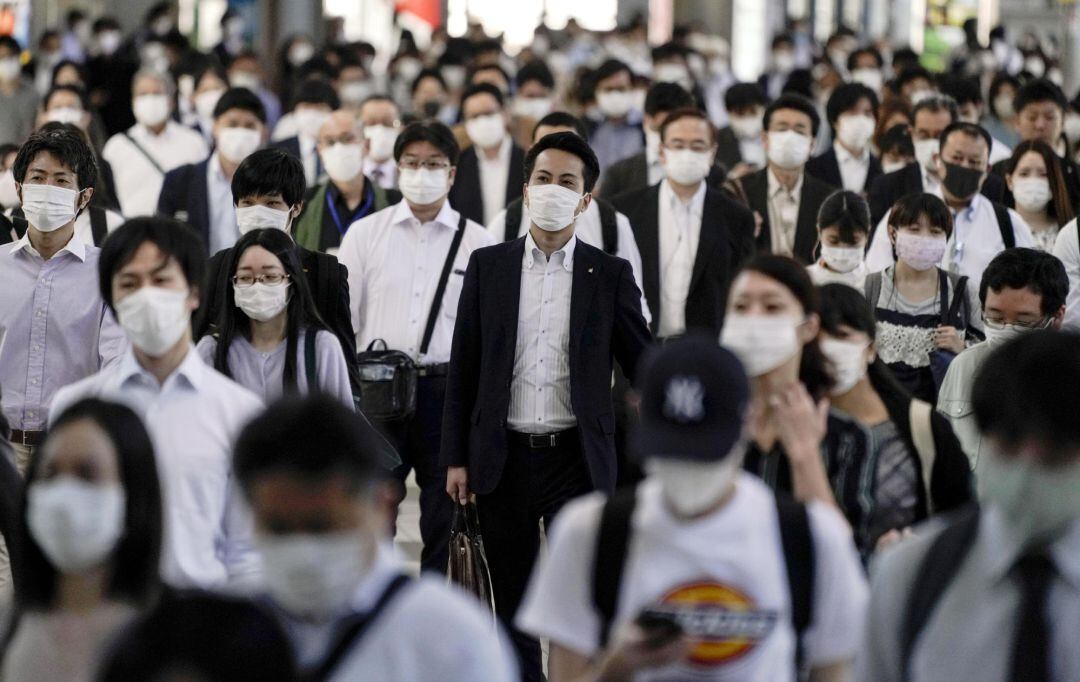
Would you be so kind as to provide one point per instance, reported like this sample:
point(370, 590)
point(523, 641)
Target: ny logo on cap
point(684, 400)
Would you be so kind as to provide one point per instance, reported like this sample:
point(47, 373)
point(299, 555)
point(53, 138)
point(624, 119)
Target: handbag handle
point(371, 346)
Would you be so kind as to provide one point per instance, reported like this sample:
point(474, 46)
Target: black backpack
point(609, 229)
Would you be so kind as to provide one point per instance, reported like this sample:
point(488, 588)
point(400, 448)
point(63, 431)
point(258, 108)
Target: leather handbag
point(468, 565)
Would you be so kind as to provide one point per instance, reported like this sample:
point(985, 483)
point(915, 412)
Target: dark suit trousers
point(535, 484)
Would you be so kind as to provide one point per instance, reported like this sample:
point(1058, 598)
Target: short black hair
point(270, 171)
point(243, 99)
point(105, 24)
point(487, 67)
point(934, 104)
point(136, 556)
point(609, 68)
point(790, 100)
point(845, 97)
point(666, 97)
point(572, 144)
point(434, 132)
point(173, 238)
point(688, 112)
point(427, 73)
point(315, 91)
point(963, 90)
point(909, 208)
point(562, 119)
point(482, 89)
point(969, 129)
point(1023, 268)
point(846, 211)
point(743, 95)
point(65, 142)
point(912, 73)
point(84, 99)
point(669, 50)
point(10, 43)
point(313, 437)
point(853, 58)
point(535, 70)
point(1040, 90)
point(1001, 79)
point(782, 39)
point(897, 140)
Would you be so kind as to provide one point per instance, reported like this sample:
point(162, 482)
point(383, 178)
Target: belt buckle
point(27, 439)
point(541, 440)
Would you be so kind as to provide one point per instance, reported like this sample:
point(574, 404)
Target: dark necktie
point(1031, 643)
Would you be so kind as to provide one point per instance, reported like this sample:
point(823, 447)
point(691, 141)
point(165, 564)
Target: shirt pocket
point(452, 294)
point(957, 409)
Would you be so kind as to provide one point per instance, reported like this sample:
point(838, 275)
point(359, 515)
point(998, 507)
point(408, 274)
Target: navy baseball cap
point(694, 396)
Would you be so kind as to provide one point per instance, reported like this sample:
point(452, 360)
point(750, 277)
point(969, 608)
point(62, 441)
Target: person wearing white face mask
point(1036, 182)
point(200, 194)
point(313, 477)
point(90, 543)
point(151, 271)
point(843, 230)
point(312, 104)
point(534, 98)
point(143, 154)
point(18, 96)
point(739, 145)
point(618, 133)
point(58, 328)
point(381, 121)
point(209, 85)
point(698, 527)
point(849, 164)
point(785, 198)
point(488, 175)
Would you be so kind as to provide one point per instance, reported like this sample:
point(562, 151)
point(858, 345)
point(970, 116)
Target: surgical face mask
point(262, 302)
point(999, 335)
point(1038, 502)
point(77, 524)
point(354, 92)
point(48, 207)
point(784, 61)
point(109, 42)
point(615, 103)
point(381, 141)
point(552, 207)
point(71, 115)
point(309, 121)
point(746, 127)
point(1003, 104)
point(236, 144)
point(842, 258)
point(343, 162)
point(1035, 66)
point(925, 151)
point(259, 217)
point(919, 251)
point(300, 53)
point(532, 107)
point(917, 96)
point(10, 69)
point(761, 342)
point(788, 149)
point(848, 363)
point(686, 166)
point(891, 166)
point(1032, 194)
point(245, 79)
point(154, 319)
point(408, 69)
point(871, 78)
point(855, 131)
point(205, 103)
point(1072, 126)
point(314, 576)
point(486, 131)
point(673, 73)
point(960, 181)
point(9, 193)
point(151, 110)
point(454, 75)
point(691, 488)
point(422, 186)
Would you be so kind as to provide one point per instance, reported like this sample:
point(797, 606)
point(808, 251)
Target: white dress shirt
point(680, 232)
point(1067, 250)
point(193, 419)
point(783, 214)
point(384, 174)
point(494, 174)
point(540, 389)
point(975, 240)
point(394, 264)
point(84, 232)
point(587, 228)
point(309, 156)
point(853, 169)
point(223, 229)
point(138, 183)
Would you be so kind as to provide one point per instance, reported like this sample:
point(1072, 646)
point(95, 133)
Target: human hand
point(948, 338)
point(634, 650)
point(799, 423)
point(457, 484)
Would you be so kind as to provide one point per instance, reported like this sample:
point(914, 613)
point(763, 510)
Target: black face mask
point(431, 108)
point(960, 181)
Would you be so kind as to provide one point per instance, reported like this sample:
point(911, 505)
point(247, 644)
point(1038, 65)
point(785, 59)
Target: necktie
point(1031, 643)
point(376, 176)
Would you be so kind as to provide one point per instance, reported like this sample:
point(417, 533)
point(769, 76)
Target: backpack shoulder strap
point(922, 436)
point(513, 220)
point(612, 543)
point(872, 288)
point(609, 228)
point(799, 558)
point(99, 224)
point(310, 367)
point(145, 154)
point(325, 268)
point(1004, 221)
point(19, 222)
point(957, 284)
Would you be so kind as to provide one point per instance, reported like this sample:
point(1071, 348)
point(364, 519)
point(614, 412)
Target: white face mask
point(842, 258)
point(532, 107)
point(154, 319)
point(784, 61)
point(300, 53)
point(109, 42)
point(314, 576)
point(245, 79)
point(343, 162)
point(552, 207)
point(925, 151)
point(746, 127)
point(151, 110)
point(761, 342)
point(871, 78)
point(309, 121)
point(686, 166)
point(75, 523)
point(205, 103)
point(615, 103)
point(381, 141)
point(855, 130)
point(691, 488)
point(236, 144)
point(848, 363)
point(486, 131)
point(997, 337)
point(262, 302)
point(354, 92)
point(1038, 502)
point(422, 186)
point(788, 149)
point(1032, 194)
point(71, 115)
point(9, 193)
point(48, 207)
point(10, 69)
point(1072, 126)
point(891, 166)
point(259, 217)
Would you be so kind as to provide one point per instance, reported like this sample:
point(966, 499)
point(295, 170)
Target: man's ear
point(585, 201)
point(296, 210)
point(18, 191)
point(89, 195)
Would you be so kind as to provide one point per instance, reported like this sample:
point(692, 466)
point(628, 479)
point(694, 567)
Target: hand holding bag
point(468, 566)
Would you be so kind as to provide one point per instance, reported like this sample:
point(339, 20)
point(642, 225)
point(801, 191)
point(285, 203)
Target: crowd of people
point(780, 369)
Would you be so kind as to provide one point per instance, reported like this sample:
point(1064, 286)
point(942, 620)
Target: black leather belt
point(439, 370)
point(539, 441)
point(27, 438)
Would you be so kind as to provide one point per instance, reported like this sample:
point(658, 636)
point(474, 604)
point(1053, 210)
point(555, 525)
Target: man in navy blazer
point(528, 421)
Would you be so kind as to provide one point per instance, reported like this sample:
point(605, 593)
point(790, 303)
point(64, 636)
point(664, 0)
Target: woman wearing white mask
point(925, 315)
point(210, 85)
point(90, 545)
point(1001, 123)
point(1039, 193)
point(269, 337)
point(843, 230)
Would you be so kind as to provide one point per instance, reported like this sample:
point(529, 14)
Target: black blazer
point(466, 194)
point(605, 322)
point(289, 144)
point(632, 173)
point(727, 239)
point(186, 197)
point(826, 167)
point(888, 188)
point(727, 148)
point(814, 193)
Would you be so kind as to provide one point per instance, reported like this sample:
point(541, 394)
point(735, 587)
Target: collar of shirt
point(76, 247)
point(696, 203)
point(447, 216)
point(930, 183)
point(191, 371)
point(776, 187)
point(967, 214)
point(532, 252)
point(503, 157)
point(145, 133)
point(1007, 548)
point(844, 156)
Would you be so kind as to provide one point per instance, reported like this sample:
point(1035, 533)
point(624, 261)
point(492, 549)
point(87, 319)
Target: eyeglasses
point(349, 138)
point(271, 279)
point(999, 324)
point(431, 165)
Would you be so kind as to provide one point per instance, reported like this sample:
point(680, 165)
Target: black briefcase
point(387, 383)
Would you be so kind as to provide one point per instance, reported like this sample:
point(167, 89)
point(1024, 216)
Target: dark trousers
point(417, 441)
point(535, 484)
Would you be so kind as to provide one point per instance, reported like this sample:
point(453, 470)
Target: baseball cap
point(694, 395)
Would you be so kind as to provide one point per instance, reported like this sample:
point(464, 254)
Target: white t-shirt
point(730, 561)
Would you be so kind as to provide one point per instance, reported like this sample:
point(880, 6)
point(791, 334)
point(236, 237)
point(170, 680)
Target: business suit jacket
point(826, 167)
point(466, 194)
point(289, 144)
point(728, 151)
point(727, 239)
point(888, 188)
point(814, 192)
point(605, 322)
point(632, 173)
point(186, 197)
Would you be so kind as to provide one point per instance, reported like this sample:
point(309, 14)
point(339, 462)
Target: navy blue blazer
point(466, 194)
point(185, 195)
point(826, 167)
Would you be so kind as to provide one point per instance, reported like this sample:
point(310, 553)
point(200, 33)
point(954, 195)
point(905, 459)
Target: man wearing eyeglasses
point(1021, 290)
point(395, 259)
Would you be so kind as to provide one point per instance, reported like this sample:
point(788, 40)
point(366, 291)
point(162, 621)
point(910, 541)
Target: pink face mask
point(918, 251)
